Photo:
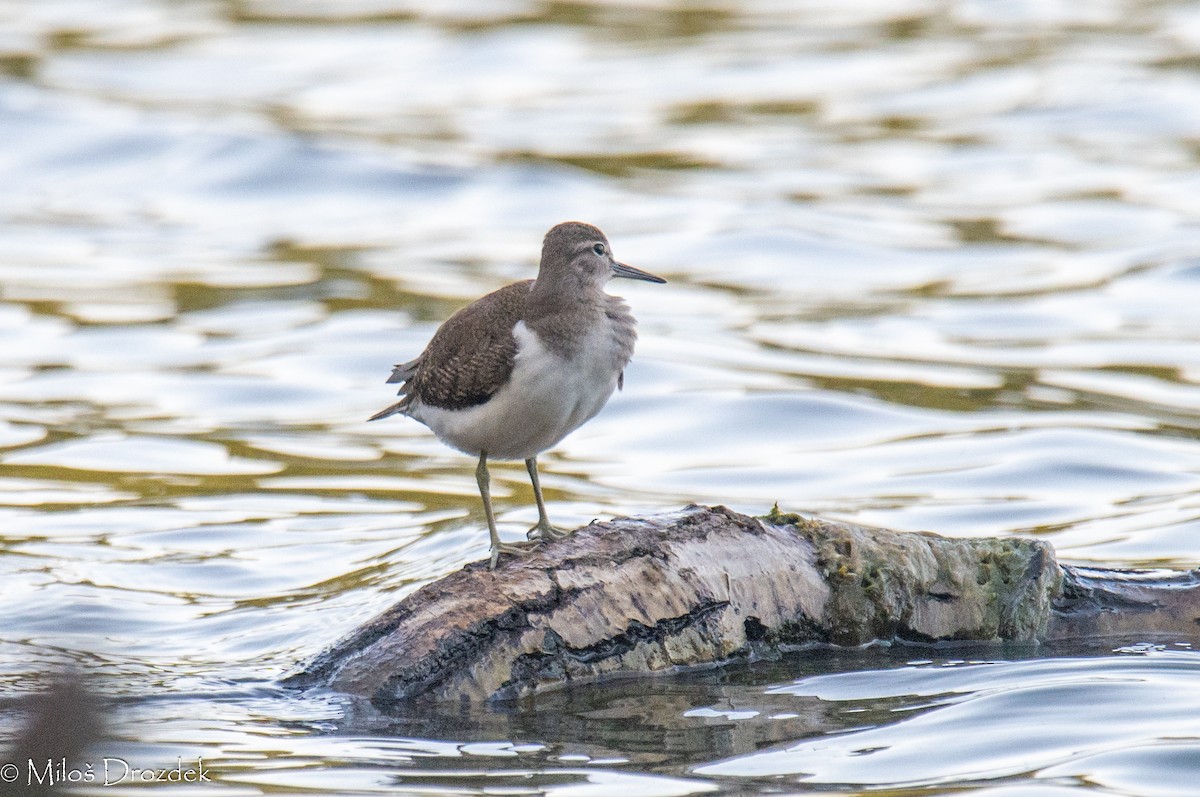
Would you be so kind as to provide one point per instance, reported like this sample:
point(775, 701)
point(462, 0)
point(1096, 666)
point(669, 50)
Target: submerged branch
point(705, 586)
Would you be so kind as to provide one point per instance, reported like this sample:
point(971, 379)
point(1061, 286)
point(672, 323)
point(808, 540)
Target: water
point(932, 266)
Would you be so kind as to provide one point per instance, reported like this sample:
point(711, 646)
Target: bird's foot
point(514, 548)
point(544, 532)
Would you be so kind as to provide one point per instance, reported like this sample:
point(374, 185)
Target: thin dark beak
point(629, 272)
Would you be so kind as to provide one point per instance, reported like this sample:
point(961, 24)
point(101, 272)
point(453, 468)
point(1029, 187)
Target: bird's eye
point(599, 249)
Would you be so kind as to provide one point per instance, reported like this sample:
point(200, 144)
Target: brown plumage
point(469, 358)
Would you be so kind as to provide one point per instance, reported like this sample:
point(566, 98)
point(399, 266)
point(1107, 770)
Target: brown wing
point(470, 357)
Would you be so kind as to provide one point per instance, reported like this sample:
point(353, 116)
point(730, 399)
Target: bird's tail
point(396, 408)
point(401, 373)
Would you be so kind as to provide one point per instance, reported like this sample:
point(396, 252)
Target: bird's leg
point(485, 492)
point(543, 530)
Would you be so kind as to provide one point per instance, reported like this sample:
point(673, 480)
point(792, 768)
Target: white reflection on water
point(116, 453)
point(990, 721)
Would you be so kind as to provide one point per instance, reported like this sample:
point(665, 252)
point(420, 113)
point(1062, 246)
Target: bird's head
point(578, 257)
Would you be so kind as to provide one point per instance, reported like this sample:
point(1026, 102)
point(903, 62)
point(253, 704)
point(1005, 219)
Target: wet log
point(707, 585)
point(1099, 603)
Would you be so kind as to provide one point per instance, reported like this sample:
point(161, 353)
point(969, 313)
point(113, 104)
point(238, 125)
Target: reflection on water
point(932, 267)
point(1020, 704)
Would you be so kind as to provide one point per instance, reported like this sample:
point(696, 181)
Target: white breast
point(547, 397)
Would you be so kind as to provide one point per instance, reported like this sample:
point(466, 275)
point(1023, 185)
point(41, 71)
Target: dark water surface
point(932, 266)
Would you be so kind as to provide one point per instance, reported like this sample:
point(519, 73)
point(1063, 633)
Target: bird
point(510, 375)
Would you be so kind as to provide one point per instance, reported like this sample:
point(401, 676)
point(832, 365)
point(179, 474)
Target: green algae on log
point(922, 587)
point(697, 587)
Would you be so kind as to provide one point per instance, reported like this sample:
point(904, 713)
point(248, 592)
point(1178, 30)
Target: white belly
point(546, 398)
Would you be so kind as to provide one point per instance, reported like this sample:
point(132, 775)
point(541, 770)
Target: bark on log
point(705, 586)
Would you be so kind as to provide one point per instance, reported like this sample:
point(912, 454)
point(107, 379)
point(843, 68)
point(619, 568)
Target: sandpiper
point(513, 373)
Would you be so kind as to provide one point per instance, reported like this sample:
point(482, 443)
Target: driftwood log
point(705, 586)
